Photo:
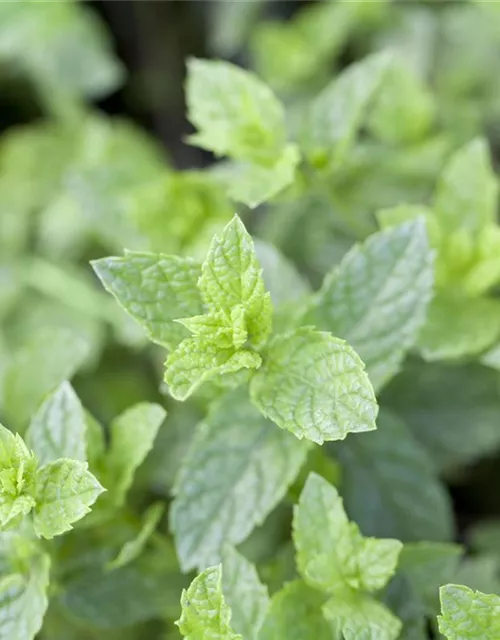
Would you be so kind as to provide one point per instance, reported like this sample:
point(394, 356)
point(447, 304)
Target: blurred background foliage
point(93, 159)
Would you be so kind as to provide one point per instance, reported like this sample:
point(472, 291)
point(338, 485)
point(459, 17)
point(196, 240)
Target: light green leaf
point(204, 610)
point(390, 487)
point(467, 191)
point(452, 410)
point(132, 437)
point(244, 592)
point(23, 600)
point(360, 617)
point(404, 108)
point(336, 115)
point(235, 113)
point(236, 471)
point(154, 289)
point(65, 491)
point(38, 368)
point(315, 386)
point(458, 327)
point(295, 614)
point(133, 548)
point(231, 276)
point(196, 360)
point(17, 478)
point(58, 429)
point(376, 299)
point(332, 555)
point(253, 184)
point(468, 614)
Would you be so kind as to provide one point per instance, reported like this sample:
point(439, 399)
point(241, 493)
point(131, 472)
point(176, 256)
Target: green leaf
point(336, 115)
point(17, 478)
point(204, 610)
point(232, 276)
point(23, 600)
point(154, 290)
point(479, 572)
point(253, 184)
point(195, 361)
point(39, 367)
point(132, 436)
point(377, 298)
point(451, 410)
point(245, 594)
point(390, 487)
point(236, 471)
point(458, 327)
point(65, 491)
point(58, 429)
point(235, 113)
point(315, 386)
point(332, 555)
point(404, 108)
point(360, 617)
point(295, 614)
point(467, 191)
point(468, 614)
point(132, 549)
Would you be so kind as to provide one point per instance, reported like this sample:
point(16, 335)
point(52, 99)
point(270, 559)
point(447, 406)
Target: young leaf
point(467, 191)
point(236, 471)
point(204, 610)
point(154, 290)
point(458, 327)
point(468, 614)
point(197, 360)
point(331, 553)
point(336, 115)
point(58, 429)
point(51, 357)
point(133, 548)
point(17, 478)
point(65, 491)
point(245, 594)
point(377, 298)
point(360, 617)
point(132, 436)
point(24, 601)
point(315, 386)
point(295, 614)
point(390, 487)
point(235, 113)
point(232, 276)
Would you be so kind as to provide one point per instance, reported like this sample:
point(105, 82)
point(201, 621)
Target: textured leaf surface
point(451, 410)
point(51, 357)
point(467, 192)
point(331, 553)
point(204, 610)
point(236, 471)
point(132, 436)
point(377, 298)
point(65, 491)
point(23, 601)
point(338, 112)
point(132, 549)
point(245, 594)
point(315, 386)
point(154, 289)
point(58, 429)
point(390, 487)
point(468, 614)
point(294, 614)
point(235, 113)
point(360, 617)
